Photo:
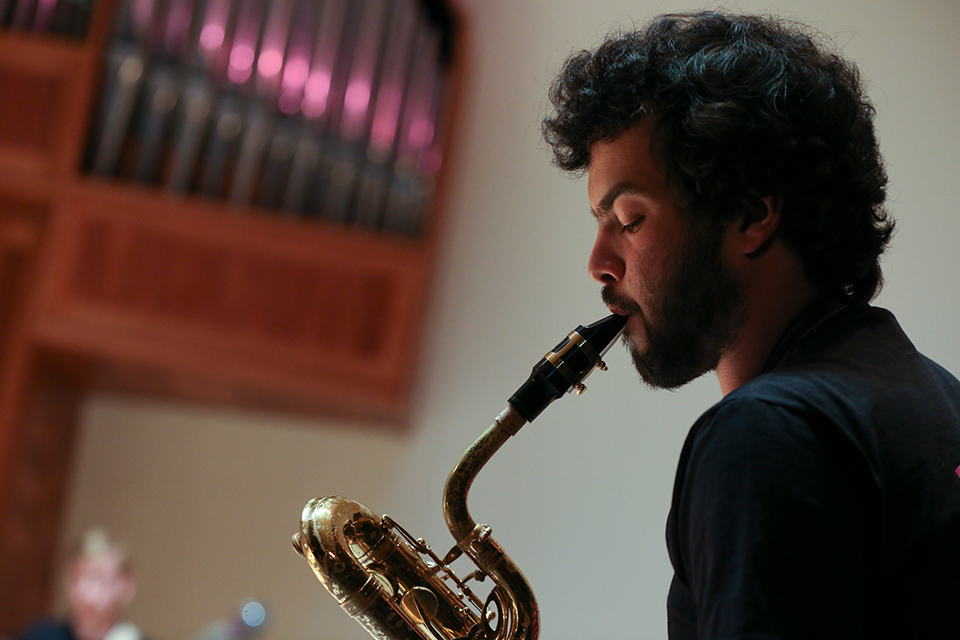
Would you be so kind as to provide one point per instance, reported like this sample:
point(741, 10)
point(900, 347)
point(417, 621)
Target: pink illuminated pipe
point(176, 27)
point(396, 66)
point(316, 88)
point(417, 128)
point(43, 15)
point(243, 49)
point(296, 70)
point(273, 48)
point(213, 33)
point(360, 83)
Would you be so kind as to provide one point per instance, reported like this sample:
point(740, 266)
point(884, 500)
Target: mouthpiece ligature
point(567, 365)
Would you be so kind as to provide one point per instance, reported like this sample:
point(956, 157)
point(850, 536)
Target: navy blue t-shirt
point(822, 499)
point(49, 630)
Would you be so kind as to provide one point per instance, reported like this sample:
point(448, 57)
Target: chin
point(635, 334)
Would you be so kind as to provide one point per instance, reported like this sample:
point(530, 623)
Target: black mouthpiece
point(602, 333)
point(567, 365)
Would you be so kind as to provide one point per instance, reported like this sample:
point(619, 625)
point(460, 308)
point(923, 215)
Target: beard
point(693, 318)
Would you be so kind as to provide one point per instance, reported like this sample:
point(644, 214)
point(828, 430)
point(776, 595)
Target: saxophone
point(395, 585)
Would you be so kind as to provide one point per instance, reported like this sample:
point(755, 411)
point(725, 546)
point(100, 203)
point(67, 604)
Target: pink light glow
point(244, 40)
point(241, 63)
point(270, 62)
point(315, 93)
point(238, 76)
point(211, 37)
point(421, 133)
point(355, 102)
point(295, 74)
point(214, 26)
point(384, 129)
point(313, 108)
point(274, 44)
point(357, 98)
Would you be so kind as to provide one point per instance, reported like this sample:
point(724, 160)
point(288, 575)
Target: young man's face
point(658, 265)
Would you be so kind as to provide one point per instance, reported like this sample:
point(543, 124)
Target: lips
point(617, 303)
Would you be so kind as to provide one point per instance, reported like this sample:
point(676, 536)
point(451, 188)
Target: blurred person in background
point(99, 585)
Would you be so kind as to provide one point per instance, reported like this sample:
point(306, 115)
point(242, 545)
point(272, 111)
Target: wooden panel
point(34, 481)
point(121, 287)
point(321, 315)
point(29, 104)
point(20, 233)
point(38, 77)
point(37, 412)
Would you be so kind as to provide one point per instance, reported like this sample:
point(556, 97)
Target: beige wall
point(209, 498)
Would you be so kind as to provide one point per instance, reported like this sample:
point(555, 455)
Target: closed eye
point(633, 226)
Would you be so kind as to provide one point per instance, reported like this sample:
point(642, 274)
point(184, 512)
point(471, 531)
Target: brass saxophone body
point(395, 585)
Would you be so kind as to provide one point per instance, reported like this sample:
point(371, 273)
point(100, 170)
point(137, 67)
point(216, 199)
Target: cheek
point(646, 272)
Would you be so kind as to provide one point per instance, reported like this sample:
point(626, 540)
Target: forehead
point(101, 564)
point(626, 160)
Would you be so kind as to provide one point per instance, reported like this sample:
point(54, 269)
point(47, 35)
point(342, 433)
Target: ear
point(760, 225)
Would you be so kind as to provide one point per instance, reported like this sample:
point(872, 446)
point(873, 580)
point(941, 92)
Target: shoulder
point(750, 432)
point(834, 384)
point(760, 466)
point(774, 407)
point(782, 430)
point(48, 630)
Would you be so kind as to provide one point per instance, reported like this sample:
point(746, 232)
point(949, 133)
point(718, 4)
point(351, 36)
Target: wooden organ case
point(233, 201)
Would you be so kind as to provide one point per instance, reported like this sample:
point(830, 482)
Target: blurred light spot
point(270, 62)
point(253, 613)
point(211, 37)
point(241, 63)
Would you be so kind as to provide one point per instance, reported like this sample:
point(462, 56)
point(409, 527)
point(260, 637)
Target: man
point(100, 584)
point(738, 189)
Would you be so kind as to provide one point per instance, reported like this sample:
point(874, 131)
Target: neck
point(776, 292)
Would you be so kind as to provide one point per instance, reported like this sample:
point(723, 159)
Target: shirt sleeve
point(770, 526)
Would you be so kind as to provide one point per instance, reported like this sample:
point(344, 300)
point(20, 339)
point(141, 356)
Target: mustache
point(616, 300)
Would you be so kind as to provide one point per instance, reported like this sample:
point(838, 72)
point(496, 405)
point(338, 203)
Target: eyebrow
point(606, 203)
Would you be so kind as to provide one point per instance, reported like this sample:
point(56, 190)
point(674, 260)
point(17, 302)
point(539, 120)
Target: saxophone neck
point(455, 512)
point(561, 370)
point(513, 598)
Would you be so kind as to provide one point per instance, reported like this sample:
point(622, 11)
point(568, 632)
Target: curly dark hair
point(744, 107)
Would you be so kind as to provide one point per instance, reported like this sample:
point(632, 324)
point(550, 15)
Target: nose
point(605, 265)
